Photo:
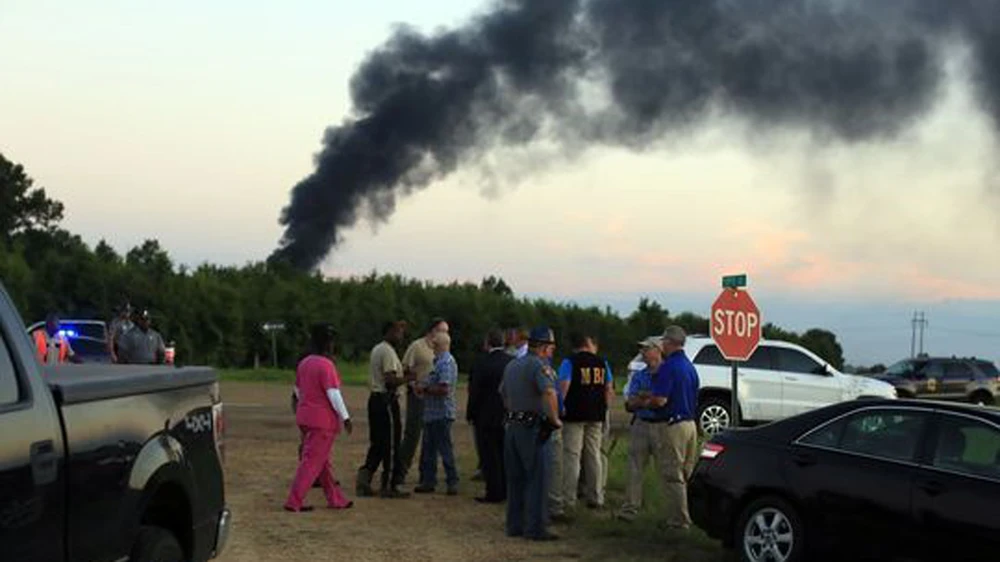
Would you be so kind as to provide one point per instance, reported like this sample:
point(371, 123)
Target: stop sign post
point(735, 325)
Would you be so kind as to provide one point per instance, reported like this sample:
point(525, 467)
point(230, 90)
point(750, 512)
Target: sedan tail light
point(711, 451)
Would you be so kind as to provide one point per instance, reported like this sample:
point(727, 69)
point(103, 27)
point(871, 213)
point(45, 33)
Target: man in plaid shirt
point(439, 414)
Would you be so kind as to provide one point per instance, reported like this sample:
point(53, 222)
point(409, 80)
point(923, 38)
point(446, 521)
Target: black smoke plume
point(628, 73)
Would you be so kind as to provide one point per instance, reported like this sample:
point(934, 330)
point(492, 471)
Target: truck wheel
point(714, 415)
point(156, 544)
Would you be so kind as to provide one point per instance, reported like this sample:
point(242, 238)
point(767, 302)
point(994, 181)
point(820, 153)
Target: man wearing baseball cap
point(529, 395)
point(675, 436)
point(638, 392)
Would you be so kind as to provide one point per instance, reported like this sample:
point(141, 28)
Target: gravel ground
point(261, 444)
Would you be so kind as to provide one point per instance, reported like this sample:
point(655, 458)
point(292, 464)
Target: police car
point(780, 380)
point(88, 338)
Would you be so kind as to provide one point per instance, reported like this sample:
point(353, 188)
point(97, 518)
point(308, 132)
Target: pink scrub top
point(313, 377)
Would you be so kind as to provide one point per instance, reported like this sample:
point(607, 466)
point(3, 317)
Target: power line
point(966, 332)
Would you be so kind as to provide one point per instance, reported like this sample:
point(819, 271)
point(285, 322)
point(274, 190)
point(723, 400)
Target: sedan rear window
point(888, 434)
point(968, 446)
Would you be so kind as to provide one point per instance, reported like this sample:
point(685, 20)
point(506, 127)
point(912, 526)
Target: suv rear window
point(710, 355)
point(958, 371)
point(988, 369)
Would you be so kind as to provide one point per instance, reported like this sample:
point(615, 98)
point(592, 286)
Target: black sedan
point(884, 479)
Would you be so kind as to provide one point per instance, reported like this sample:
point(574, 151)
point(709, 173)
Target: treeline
point(215, 314)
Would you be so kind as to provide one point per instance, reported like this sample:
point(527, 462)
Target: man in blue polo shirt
point(675, 436)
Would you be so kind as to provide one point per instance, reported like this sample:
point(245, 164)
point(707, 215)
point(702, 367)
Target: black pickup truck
point(104, 463)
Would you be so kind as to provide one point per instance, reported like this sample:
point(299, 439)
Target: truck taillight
point(219, 431)
point(711, 451)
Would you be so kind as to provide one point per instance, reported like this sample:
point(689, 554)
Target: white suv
point(781, 379)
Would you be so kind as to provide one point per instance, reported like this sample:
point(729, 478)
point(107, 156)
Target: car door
point(759, 386)
point(956, 495)
point(807, 384)
point(928, 380)
point(958, 376)
point(31, 496)
point(853, 478)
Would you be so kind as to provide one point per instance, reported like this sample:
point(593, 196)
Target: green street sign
point(734, 281)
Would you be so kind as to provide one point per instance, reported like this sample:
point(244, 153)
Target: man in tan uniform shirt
point(418, 362)
point(384, 424)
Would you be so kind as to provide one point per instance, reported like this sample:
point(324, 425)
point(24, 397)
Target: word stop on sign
point(737, 323)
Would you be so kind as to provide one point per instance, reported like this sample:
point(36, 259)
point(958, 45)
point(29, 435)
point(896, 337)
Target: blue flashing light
point(68, 333)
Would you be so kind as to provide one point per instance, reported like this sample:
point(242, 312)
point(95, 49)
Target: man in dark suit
point(486, 412)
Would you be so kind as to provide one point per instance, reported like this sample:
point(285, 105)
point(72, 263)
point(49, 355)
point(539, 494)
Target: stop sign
point(735, 324)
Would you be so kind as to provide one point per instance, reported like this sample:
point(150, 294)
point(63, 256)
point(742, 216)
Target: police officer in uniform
point(529, 395)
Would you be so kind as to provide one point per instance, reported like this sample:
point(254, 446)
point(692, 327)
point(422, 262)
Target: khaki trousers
point(675, 448)
point(581, 447)
point(640, 447)
point(605, 457)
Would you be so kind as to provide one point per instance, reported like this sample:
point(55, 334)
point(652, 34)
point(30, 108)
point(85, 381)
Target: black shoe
point(394, 494)
point(424, 489)
point(544, 537)
point(489, 500)
point(560, 518)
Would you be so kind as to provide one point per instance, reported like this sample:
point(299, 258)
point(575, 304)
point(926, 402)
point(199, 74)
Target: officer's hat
point(541, 334)
point(323, 331)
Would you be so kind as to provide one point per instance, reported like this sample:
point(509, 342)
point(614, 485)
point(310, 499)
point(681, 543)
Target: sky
point(190, 122)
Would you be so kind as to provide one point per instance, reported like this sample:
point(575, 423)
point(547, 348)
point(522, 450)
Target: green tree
point(824, 343)
point(649, 318)
point(22, 206)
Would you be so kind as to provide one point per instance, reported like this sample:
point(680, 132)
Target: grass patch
point(641, 540)
point(351, 374)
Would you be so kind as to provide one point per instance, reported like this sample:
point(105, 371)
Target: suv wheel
point(156, 544)
point(714, 415)
point(770, 529)
point(982, 398)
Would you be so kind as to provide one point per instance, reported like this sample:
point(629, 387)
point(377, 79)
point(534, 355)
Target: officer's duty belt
point(525, 418)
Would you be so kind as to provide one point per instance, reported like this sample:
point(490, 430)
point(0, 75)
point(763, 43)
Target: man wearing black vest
point(587, 387)
point(486, 412)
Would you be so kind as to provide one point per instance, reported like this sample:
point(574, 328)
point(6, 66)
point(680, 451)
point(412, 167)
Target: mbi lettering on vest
point(585, 400)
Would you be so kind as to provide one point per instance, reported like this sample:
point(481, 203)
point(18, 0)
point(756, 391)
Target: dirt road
point(261, 459)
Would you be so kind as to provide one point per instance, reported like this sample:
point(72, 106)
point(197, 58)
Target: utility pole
point(919, 322)
point(923, 324)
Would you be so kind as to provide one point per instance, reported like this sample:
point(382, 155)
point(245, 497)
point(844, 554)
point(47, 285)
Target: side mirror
point(822, 370)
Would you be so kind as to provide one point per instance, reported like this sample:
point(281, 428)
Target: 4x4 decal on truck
point(198, 423)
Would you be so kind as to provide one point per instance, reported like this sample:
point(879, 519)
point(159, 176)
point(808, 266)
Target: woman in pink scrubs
point(320, 414)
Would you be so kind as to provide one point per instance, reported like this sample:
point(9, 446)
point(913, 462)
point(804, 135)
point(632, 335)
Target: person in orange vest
point(51, 345)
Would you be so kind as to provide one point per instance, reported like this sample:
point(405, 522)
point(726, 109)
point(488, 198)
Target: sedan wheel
point(771, 532)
